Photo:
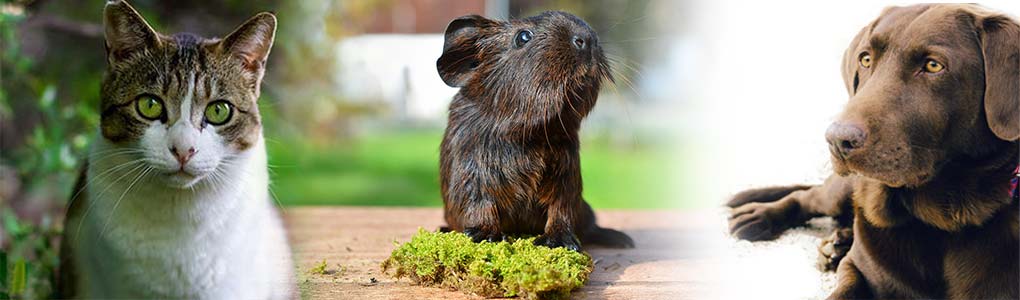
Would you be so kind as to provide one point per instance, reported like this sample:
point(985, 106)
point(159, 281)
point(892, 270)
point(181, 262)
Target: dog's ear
point(851, 67)
point(460, 49)
point(1000, 45)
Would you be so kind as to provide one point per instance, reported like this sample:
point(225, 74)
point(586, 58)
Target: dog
point(923, 156)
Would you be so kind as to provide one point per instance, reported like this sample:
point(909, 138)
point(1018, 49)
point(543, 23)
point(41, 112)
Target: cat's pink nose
point(183, 156)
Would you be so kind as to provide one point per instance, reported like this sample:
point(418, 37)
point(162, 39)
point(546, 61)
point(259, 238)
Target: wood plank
point(666, 264)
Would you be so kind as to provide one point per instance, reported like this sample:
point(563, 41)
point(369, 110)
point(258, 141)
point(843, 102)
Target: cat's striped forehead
point(186, 72)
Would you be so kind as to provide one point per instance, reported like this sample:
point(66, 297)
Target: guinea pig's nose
point(580, 43)
point(845, 137)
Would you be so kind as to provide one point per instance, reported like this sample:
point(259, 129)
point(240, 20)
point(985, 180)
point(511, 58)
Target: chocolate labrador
point(924, 153)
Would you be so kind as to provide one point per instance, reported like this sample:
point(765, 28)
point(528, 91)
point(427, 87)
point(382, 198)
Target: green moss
point(319, 269)
point(503, 269)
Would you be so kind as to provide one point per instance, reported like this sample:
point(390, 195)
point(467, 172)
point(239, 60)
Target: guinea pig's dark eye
point(522, 38)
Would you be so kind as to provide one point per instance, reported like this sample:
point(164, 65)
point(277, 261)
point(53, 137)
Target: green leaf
point(11, 224)
point(48, 96)
point(3, 272)
point(18, 278)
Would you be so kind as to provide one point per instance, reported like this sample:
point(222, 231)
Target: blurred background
point(711, 97)
point(352, 105)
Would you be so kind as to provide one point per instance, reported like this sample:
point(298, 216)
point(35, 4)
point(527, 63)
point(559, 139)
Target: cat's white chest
point(141, 240)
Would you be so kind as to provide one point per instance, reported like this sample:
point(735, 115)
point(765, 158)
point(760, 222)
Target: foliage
point(45, 160)
point(27, 270)
point(53, 125)
point(319, 268)
point(503, 269)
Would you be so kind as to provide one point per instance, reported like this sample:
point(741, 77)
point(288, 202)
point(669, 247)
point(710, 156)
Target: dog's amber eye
point(932, 66)
point(866, 60)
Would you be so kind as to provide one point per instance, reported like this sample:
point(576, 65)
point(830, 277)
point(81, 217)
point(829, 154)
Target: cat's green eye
point(218, 112)
point(149, 107)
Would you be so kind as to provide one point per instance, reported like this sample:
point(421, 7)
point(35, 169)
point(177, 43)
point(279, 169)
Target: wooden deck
point(668, 262)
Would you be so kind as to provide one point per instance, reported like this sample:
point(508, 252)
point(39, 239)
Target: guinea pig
point(509, 160)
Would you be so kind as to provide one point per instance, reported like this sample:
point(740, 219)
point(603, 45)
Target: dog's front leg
point(850, 282)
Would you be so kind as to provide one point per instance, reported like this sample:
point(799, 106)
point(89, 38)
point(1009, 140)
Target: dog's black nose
point(845, 137)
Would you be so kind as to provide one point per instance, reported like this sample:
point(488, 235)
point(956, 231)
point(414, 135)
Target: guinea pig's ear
point(1001, 49)
point(126, 31)
point(252, 40)
point(460, 49)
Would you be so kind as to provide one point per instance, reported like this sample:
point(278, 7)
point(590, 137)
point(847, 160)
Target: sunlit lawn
point(402, 169)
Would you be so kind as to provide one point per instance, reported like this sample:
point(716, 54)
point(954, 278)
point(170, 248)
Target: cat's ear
point(126, 31)
point(252, 40)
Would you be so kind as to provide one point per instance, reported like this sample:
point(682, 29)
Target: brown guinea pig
point(509, 159)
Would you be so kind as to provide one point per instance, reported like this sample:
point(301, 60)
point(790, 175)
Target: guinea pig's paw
point(561, 239)
point(478, 234)
point(757, 222)
point(611, 238)
point(834, 248)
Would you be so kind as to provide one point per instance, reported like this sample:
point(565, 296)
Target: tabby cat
point(173, 201)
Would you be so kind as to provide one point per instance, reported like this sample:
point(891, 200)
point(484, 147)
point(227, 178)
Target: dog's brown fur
point(927, 188)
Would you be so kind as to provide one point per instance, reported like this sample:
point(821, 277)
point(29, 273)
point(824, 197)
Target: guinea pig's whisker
point(618, 23)
point(624, 62)
point(562, 126)
point(545, 128)
point(644, 39)
point(571, 104)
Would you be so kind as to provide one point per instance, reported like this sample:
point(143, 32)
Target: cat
point(173, 201)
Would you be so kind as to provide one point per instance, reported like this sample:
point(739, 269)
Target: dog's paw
point(763, 195)
point(559, 239)
point(759, 221)
point(477, 235)
point(834, 248)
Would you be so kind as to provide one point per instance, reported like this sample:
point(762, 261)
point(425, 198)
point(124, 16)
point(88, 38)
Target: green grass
point(402, 169)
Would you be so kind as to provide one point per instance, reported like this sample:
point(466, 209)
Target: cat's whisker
point(113, 152)
point(99, 196)
point(102, 151)
point(276, 199)
point(117, 204)
point(221, 179)
point(101, 175)
point(105, 156)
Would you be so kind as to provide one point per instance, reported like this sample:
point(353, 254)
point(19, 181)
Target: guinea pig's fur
point(509, 159)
